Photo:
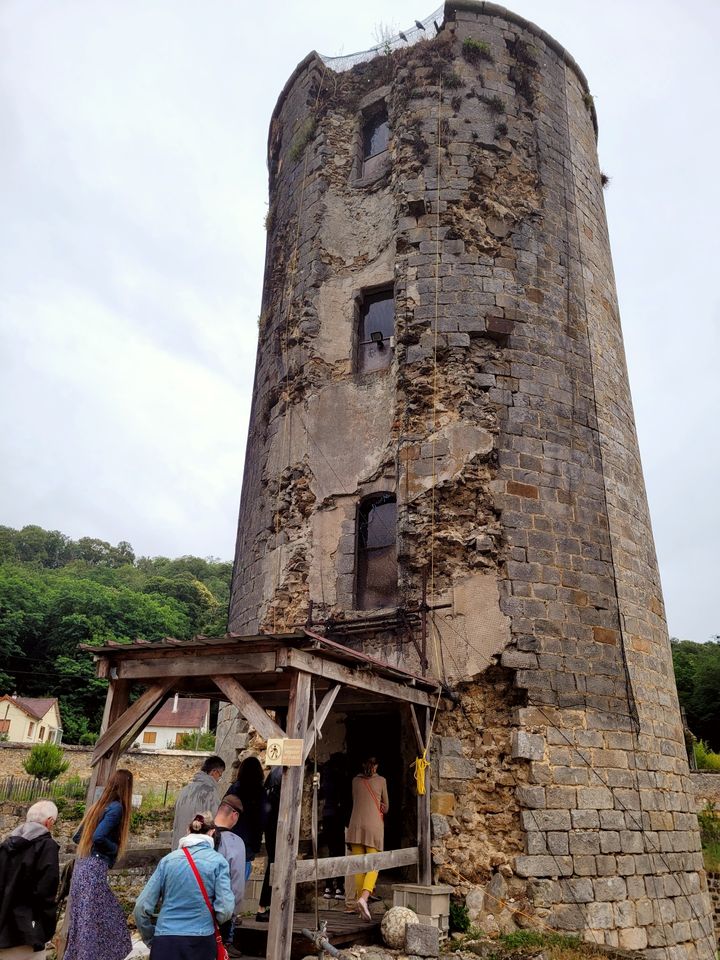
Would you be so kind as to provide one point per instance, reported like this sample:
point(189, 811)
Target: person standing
point(97, 926)
point(270, 814)
point(366, 830)
point(191, 905)
point(202, 793)
point(248, 788)
point(334, 793)
point(230, 846)
point(29, 874)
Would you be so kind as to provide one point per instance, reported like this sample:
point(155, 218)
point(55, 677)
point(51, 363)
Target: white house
point(175, 717)
point(30, 719)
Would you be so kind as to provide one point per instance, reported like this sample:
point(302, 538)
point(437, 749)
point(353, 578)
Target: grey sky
point(133, 192)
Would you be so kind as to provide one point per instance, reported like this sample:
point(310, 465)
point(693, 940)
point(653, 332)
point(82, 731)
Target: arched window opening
point(377, 572)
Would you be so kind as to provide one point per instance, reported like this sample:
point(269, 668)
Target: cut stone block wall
point(504, 427)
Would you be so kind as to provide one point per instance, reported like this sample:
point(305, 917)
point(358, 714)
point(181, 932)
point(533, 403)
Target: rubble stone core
point(503, 425)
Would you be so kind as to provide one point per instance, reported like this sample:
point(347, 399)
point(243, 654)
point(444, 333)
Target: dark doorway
point(379, 735)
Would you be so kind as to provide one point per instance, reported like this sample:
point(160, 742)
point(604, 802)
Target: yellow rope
point(421, 765)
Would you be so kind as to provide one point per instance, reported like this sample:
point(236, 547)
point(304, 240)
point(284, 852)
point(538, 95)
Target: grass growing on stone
point(711, 855)
point(476, 50)
point(302, 138)
point(523, 944)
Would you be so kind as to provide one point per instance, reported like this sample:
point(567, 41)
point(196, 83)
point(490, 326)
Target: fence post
point(167, 783)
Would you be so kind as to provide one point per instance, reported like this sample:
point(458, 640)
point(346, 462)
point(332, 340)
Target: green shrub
point(705, 758)
point(459, 917)
point(46, 762)
point(195, 741)
point(72, 789)
point(476, 50)
point(71, 810)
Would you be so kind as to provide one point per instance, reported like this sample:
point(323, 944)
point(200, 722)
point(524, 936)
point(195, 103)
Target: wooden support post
point(288, 832)
point(423, 810)
point(116, 703)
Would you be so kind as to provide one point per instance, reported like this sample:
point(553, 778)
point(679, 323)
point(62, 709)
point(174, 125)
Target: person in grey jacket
point(201, 793)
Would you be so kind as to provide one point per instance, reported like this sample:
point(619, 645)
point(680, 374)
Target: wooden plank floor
point(344, 929)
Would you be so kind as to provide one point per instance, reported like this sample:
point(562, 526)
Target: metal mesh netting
point(405, 38)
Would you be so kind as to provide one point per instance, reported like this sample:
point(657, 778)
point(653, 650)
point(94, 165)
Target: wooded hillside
point(56, 593)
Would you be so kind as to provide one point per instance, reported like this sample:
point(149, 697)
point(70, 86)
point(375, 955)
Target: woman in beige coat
point(366, 829)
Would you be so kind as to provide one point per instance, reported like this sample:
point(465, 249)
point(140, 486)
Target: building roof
point(190, 713)
point(35, 707)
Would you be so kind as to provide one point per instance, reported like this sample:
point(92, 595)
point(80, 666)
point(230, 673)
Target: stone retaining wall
point(152, 771)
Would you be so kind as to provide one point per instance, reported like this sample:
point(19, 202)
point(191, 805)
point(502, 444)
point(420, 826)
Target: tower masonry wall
point(503, 426)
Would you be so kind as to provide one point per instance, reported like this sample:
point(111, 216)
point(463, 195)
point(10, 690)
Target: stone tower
point(441, 414)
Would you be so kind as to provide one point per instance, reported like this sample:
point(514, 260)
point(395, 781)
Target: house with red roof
point(176, 716)
point(30, 719)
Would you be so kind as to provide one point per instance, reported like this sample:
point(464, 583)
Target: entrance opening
point(379, 735)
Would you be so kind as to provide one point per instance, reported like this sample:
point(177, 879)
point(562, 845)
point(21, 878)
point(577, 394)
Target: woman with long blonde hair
point(97, 923)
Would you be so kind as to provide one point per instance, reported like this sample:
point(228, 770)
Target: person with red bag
point(193, 883)
point(366, 830)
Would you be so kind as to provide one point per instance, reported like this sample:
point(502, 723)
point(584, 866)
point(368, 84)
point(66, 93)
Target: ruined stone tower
point(441, 412)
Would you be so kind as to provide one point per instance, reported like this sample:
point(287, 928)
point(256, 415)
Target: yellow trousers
point(364, 881)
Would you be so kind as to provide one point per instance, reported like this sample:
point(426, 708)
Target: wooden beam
point(423, 810)
point(416, 730)
point(197, 665)
point(116, 702)
point(320, 717)
point(359, 863)
point(249, 708)
point(141, 708)
point(282, 911)
point(301, 660)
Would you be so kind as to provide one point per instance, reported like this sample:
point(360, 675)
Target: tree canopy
point(57, 593)
point(697, 674)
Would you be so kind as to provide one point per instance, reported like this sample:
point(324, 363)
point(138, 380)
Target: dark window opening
point(375, 331)
point(377, 553)
point(375, 137)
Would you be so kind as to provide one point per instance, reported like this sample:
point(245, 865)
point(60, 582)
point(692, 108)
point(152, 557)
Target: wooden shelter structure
point(288, 674)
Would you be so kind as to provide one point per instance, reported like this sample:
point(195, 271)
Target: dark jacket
point(29, 876)
point(249, 826)
point(106, 838)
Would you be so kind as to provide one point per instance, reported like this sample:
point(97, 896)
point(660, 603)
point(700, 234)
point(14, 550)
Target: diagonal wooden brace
point(134, 715)
point(249, 708)
point(320, 717)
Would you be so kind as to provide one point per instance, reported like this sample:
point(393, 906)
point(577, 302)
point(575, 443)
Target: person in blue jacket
point(184, 928)
point(97, 925)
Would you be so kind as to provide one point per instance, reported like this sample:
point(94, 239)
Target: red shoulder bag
point(222, 953)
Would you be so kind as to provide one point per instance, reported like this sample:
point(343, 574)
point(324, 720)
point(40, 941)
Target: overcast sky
point(133, 190)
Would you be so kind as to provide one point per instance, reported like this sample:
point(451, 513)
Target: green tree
point(46, 761)
point(195, 741)
point(697, 674)
point(57, 593)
